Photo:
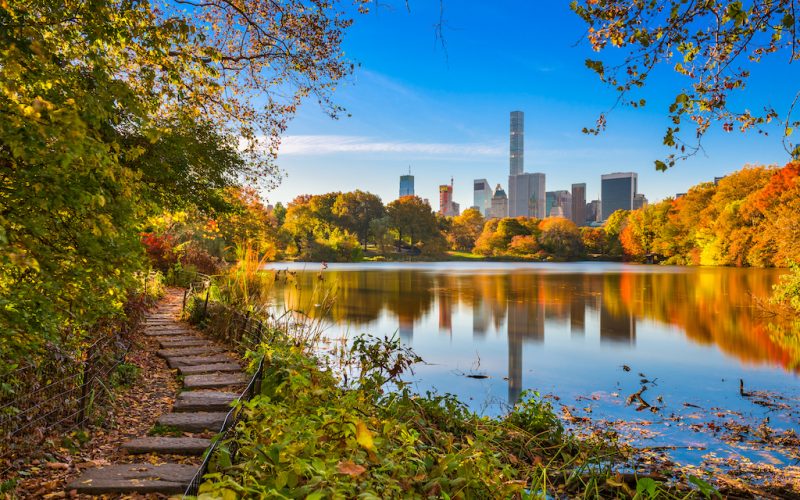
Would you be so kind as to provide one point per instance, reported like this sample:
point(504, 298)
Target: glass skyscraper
point(482, 196)
point(406, 185)
point(617, 192)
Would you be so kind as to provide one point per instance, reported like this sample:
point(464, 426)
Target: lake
point(592, 335)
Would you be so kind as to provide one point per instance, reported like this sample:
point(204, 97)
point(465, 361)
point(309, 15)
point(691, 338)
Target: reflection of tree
point(711, 305)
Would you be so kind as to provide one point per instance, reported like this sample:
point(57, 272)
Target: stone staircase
point(212, 380)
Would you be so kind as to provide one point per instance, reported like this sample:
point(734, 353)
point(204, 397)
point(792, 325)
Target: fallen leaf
point(350, 468)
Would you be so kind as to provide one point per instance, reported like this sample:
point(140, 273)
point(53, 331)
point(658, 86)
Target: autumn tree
point(714, 44)
point(613, 228)
point(560, 237)
point(465, 230)
point(413, 218)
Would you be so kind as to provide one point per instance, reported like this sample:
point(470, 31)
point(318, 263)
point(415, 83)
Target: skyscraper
point(447, 206)
point(517, 143)
point(406, 185)
point(639, 201)
point(499, 204)
point(617, 192)
point(526, 196)
point(579, 204)
point(482, 196)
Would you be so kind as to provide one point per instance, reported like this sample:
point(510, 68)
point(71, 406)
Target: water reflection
point(528, 305)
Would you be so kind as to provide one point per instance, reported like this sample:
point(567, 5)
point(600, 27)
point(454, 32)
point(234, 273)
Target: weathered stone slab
point(171, 331)
point(209, 368)
point(187, 341)
point(190, 351)
point(204, 401)
point(135, 478)
point(197, 421)
point(176, 361)
point(214, 380)
point(169, 445)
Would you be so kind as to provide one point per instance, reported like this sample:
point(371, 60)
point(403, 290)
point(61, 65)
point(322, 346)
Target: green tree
point(356, 210)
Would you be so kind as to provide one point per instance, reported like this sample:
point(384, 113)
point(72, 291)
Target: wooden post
point(85, 386)
point(205, 305)
point(185, 293)
point(244, 325)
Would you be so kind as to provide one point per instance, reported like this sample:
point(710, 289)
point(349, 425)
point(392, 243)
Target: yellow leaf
point(364, 436)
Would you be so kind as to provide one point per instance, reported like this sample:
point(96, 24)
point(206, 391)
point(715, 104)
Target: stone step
point(198, 421)
point(176, 361)
point(209, 368)
point(135, 478)
point(190, 351)
point(170, 332)
point(167, 445)
point(170, 342)
point(204, 401)
point(214, 380)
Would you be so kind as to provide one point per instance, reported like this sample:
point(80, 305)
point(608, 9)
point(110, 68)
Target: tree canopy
point(715, 44)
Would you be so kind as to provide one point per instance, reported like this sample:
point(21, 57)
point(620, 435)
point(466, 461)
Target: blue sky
point(446, 113)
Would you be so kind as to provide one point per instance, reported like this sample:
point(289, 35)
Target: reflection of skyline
point(619, 327)
point(524, 304)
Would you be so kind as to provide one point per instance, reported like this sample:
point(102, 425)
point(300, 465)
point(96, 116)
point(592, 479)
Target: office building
point(593, 211)
point(579, 204)
point(562, 200)
point(406, 185)
point(639, 201)
point(526, 195)
point(517, 143)
point(447, 206)
point(617, 192)
point(499, 207)
point(482, 196)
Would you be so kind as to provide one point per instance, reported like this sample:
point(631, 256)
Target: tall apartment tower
point(579, 204)
point(617, 192)
point(517, 143)
point(482, 196)
point(525, 191)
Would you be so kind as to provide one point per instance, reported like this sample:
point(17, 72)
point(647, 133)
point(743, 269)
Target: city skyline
point(413, 104)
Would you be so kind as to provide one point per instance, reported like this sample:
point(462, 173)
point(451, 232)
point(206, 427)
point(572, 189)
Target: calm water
point(572, 330)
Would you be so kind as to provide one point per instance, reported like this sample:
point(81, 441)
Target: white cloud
point(328, 144)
